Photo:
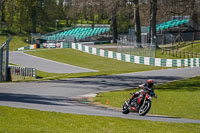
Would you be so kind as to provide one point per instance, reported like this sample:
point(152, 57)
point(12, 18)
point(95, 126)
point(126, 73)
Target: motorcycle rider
point(146, 87)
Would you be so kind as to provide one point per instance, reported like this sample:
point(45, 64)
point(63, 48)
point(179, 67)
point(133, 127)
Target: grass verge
point(24, 120)
point(104, 66)
point(184, 47)
point(159, 54)
point(16, 42)
point(192, 48)
point(178, 99)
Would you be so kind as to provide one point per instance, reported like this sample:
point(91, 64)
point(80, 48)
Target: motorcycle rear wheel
point(125, 109)
point(145, 108)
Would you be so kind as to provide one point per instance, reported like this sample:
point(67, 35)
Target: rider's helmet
point(150, 83)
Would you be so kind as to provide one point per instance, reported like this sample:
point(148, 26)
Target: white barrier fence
point(191, 62)
point(17, 73)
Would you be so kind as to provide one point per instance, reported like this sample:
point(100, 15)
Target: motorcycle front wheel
point(145, 108)
point(125, 109)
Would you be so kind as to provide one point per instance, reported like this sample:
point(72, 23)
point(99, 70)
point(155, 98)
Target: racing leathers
point(144, 88)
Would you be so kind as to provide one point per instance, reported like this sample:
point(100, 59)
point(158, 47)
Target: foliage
point(16, 42)
point(193, 48)
point(41, 15)
point(28, 15)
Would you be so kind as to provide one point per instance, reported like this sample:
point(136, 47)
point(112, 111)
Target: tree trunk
point(34, 21)
point(2, 12)
point(20, 22)
point(71, 21)
point(150, 23)
point(194, 15)
point(114, 26)
point(98, 18)
point(137, 21)
point(66, 22)
point(92, 19)
point(20, 29)
point(153, 21)
point(2, 16)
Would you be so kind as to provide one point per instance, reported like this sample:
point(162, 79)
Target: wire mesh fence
point(170, 37)
point(133, 48)
point(20, 73)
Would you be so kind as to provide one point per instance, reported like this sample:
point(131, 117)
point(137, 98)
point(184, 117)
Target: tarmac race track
point(63, 95)
point(44, 65)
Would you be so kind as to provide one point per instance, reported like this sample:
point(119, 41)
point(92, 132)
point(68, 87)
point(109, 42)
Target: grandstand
point(178, 27)
point(84, 33)
point(176, 23)
point(78, 34)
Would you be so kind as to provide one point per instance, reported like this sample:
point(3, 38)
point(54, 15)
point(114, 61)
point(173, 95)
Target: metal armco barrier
point(17, 73)
point(4, 53)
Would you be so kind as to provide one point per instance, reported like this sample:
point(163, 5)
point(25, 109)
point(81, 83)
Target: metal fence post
point(1, 65)
point(4, 53)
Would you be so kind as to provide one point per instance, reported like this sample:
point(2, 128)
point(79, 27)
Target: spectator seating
point(77, 33)
point(170, 24)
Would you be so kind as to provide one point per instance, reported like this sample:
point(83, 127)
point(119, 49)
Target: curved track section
point(64, 95)
point(44, 65)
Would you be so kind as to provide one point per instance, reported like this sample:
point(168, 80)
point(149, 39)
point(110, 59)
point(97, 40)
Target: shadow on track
point(36, 99)
point(103, 82)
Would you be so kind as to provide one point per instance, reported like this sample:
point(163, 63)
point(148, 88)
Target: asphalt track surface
point(64, 95)
point(44, 65)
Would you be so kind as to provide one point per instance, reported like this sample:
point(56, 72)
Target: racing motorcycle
point(140, 104)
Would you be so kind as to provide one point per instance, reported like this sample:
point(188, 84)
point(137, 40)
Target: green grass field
point(194, 48)
point(178, 99)
point(105, 66)
point(16, 42)
point(3, 39)
point(13, 120)
point(166, 56)
point(187, 47)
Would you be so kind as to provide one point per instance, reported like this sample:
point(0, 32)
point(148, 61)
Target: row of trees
point(28, 15)
point(34, 15)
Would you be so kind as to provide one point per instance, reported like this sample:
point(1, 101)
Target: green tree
point(68, 11)
point(10, 12)
point(28, 15)
point(113, 8)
